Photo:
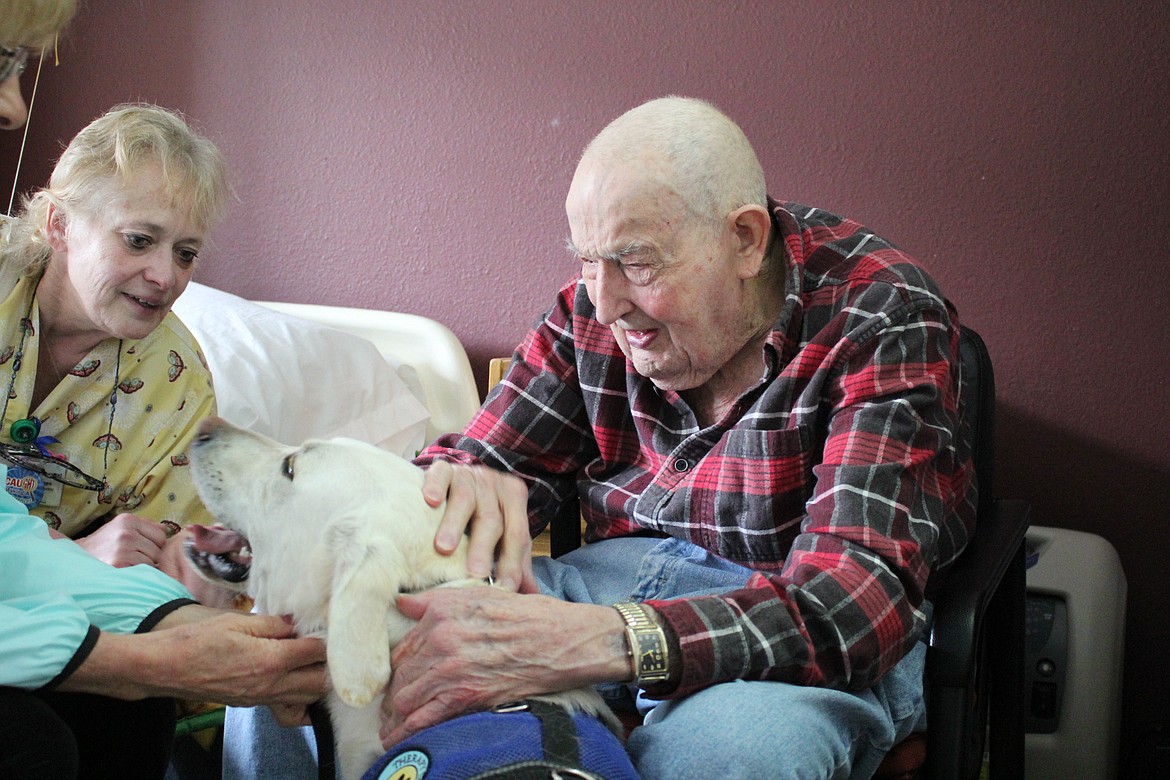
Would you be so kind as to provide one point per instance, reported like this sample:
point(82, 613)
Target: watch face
point(650, 655)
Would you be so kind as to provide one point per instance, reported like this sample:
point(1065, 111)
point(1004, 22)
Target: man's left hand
point(477, 647)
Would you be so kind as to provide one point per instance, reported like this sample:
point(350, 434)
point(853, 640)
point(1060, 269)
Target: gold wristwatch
point(647, 645)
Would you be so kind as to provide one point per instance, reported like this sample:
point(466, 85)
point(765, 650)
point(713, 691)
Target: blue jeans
point(736, 729)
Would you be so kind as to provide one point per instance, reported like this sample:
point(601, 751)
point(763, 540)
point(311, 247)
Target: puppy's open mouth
point(219, 552)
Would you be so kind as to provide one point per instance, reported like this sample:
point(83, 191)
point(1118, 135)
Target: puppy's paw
point(357, 686)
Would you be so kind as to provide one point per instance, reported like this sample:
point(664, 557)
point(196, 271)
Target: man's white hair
point(708, 159)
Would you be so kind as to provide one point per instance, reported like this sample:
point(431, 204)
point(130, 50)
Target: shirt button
point(681, 464)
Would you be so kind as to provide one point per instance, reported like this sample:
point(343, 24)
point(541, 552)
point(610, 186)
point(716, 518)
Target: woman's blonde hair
point(33, 23)
point(110, 151)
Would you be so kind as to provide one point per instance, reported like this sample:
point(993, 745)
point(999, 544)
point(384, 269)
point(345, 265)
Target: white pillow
point(291, 379)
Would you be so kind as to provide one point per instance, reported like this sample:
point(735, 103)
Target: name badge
point(32, 489)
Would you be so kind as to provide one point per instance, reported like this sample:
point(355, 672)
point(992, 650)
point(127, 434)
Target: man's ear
point(55, 228)
point(751, 226)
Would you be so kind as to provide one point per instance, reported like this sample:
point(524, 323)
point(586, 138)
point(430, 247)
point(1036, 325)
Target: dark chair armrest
point(968, 589)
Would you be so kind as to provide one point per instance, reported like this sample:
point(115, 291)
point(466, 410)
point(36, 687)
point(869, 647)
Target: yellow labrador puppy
point(330, 532)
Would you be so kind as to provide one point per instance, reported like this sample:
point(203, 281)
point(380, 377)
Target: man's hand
point(494, 505)
point(477, 647)
point(127, 540)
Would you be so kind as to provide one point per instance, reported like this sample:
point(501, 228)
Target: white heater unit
point(1075, 639)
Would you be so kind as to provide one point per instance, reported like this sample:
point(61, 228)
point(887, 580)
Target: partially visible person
point(27, 26)
point(91, 655)
point(95, 370)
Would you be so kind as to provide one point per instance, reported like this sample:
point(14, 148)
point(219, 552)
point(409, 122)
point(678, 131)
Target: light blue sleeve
point(52, 591)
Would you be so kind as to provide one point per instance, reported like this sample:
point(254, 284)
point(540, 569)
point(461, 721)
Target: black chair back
point(978, 396)
point(975, 664)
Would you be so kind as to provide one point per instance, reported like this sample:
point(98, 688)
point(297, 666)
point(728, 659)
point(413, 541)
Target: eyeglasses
point(55, 469)
point(12, 62)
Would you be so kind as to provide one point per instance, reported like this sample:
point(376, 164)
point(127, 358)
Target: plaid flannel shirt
point(839, 477)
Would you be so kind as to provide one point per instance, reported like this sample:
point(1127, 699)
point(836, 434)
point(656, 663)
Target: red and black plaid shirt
point(839, 477)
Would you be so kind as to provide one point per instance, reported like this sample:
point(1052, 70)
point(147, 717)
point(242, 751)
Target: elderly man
point(753, 404)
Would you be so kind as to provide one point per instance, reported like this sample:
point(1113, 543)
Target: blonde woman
point(100, 385)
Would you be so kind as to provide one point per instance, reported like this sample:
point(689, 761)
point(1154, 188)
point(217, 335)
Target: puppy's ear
point(365, 582)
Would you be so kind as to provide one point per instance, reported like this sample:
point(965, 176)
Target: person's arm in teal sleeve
point(53, 593)
point(41, 636)
point(46, 628)
point(72, 623)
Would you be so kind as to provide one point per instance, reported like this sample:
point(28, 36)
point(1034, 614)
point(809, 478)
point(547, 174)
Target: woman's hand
point(479, 646)
point(229, 657)
point(494, 505)
point(127, 540)
point(244, 660)
point(173, 561)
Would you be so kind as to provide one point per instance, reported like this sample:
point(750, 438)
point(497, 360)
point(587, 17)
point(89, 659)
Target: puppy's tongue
point(217, 540)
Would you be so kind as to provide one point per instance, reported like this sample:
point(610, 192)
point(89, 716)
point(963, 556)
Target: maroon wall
point(414, 155)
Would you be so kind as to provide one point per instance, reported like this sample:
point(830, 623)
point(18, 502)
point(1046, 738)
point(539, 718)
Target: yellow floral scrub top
point(163, 388)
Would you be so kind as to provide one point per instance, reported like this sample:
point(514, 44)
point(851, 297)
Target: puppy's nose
point(207, 428)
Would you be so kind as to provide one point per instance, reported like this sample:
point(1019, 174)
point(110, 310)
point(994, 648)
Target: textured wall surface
point(415, 154)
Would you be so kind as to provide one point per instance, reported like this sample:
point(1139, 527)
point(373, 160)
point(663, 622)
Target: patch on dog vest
point(411, 765)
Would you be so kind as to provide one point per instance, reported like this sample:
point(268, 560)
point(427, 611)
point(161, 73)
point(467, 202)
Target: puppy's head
point(263, 492)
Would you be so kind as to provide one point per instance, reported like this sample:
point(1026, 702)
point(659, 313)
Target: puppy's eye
point(286, 468)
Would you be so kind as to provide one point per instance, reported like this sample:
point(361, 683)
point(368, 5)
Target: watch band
point(647, 645)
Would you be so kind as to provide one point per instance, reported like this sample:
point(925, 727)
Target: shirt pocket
point(764, 479)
